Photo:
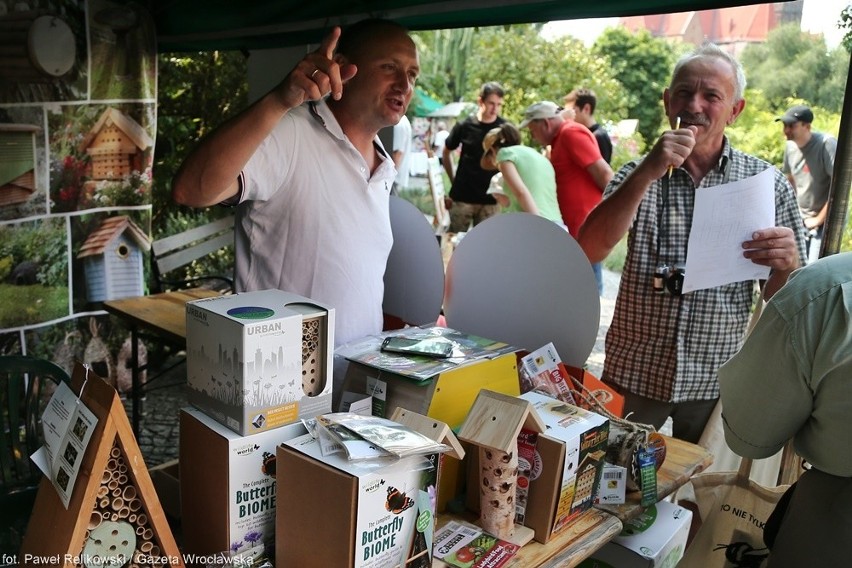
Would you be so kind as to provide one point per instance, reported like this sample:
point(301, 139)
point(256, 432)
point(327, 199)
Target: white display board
point(522, 279)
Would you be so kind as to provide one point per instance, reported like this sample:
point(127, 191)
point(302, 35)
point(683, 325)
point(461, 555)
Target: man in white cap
point(809, 165)
point(581, 171)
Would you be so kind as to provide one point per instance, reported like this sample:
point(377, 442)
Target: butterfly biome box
point(113, 514)
point(357, 514)
point(227, 486)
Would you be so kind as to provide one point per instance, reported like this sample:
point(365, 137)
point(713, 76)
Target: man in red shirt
point(581, 171)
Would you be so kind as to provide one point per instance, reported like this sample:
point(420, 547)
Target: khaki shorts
point(462, 215)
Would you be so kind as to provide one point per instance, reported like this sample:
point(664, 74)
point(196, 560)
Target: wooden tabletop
point(683, 460)
point(597, 526)
point(576, 542)
point(164, 314)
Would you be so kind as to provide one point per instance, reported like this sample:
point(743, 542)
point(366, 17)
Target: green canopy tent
point(422, 104)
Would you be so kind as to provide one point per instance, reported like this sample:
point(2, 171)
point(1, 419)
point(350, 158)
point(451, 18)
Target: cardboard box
point(227, 484)
point(604, 393)
point(446, 395)
point(655, 539)
point(259, 360)
point(439, 388)
point(335, 512)
point(564, 480)
point(166, 480)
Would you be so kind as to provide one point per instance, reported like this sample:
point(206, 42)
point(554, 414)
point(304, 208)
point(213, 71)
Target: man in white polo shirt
point(310, 176)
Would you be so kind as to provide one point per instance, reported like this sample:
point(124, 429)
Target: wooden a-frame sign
point(113, 489)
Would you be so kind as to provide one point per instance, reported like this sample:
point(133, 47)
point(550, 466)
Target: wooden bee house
point(17, 163)
point(113, 260)
point(116, 145)
point(493, 424)
point(113, 509)
point(435, 430)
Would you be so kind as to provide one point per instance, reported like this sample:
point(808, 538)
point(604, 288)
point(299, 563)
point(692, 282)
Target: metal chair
point(25, 385)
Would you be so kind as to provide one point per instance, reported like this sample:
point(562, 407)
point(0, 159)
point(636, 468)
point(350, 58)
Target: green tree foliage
point(794, 64)
point(532, 69)
point(43, 243)
point(197, 92)
point(845, 23)
point(443, 61)
point(643, 65)
point(756, 132)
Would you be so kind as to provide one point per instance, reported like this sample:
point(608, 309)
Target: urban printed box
point(259, 360)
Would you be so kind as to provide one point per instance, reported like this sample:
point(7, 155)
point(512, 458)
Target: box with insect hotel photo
point(568, 464)
point(356, 514)
point(259, 360)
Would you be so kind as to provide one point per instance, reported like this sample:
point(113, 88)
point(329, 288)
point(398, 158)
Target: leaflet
point(68, 425)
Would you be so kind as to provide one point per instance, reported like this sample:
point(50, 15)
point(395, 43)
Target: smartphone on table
point(429, 346)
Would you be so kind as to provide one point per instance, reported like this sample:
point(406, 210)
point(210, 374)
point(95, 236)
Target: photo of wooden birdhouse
point(112, 258)
point(116, 145)
point(17, 163)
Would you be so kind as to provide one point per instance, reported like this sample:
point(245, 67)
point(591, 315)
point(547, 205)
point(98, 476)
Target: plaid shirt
point(669, 347)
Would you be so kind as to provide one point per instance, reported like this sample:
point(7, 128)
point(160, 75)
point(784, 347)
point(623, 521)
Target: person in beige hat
point(581, 171)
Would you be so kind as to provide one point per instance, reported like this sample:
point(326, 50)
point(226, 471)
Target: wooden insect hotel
point(434, 430)
point(116, 145)
point(493, 424)
point(112, 258)
point(17, 163)
point(113, 511)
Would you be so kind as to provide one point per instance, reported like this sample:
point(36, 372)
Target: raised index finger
point(329, 43)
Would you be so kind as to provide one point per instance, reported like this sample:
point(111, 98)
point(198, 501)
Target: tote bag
point(733, 510)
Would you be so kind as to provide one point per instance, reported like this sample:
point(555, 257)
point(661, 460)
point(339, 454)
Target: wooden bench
point(180, 250)
point(162, 315)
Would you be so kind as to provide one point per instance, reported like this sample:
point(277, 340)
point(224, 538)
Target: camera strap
point(662, 215)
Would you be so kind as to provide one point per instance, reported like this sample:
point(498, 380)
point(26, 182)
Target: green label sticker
point(251, 313)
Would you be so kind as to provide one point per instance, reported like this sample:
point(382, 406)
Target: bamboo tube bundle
point(313, 359)
point(118, 502)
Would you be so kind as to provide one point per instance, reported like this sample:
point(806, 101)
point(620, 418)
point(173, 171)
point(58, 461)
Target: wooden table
point(597, 526)
point(162, 315)
point(683, 460)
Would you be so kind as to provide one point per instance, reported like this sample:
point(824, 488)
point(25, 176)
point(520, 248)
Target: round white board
point(522, 279)
point(414, 278)
point(51, 45)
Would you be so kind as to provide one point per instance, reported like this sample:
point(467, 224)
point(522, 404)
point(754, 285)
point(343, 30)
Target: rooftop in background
point(731, 28)
point(816, 17)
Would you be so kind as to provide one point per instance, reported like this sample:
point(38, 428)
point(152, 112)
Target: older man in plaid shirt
point(663, 349)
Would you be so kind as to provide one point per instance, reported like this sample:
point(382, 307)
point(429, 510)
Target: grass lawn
point(27, 305)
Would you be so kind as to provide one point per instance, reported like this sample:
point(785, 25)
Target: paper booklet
point(371, 437)
point(467, 546)
point(466, 348)
point(67, 426)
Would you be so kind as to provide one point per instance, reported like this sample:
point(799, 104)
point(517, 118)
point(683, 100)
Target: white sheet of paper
point(723, 218)
point(67, 425)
